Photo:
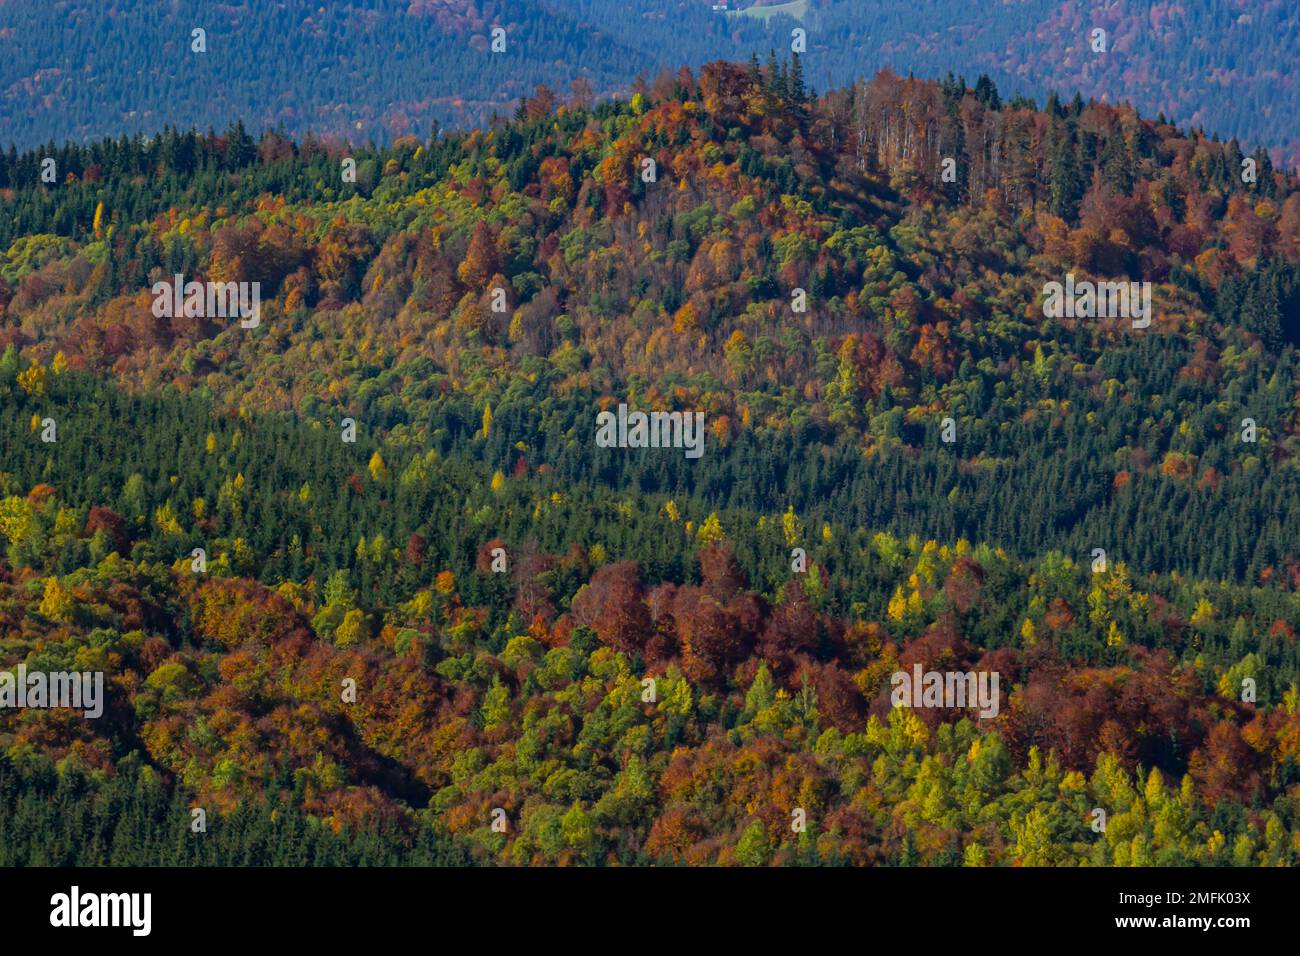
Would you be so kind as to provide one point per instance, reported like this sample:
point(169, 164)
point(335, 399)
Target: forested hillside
point(386, 68)
point(500, 589)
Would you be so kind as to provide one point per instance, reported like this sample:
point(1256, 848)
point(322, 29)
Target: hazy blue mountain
point(381, 68)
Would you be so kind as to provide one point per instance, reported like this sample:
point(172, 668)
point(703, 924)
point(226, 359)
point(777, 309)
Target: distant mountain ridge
point(389, 68)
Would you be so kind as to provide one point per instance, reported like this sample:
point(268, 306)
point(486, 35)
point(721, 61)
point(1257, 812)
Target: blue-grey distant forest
point(383, 68)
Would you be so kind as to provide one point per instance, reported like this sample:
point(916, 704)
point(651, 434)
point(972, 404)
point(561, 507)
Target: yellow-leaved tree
point(790, 527)
point(711, 531)
point(57, 602)
point(33, 380)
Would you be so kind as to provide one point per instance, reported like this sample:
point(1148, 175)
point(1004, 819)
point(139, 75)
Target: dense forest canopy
point(926, 302)
point(499, 588)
